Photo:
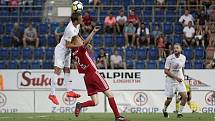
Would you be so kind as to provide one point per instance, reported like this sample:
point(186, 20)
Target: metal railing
point(17, 14)
point(179, 9)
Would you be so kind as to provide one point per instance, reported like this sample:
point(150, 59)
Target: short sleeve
point(117, 18)
point(181, 19)
point(167, 63)
point(147, 31)
point(184, 30)
point(125, 18)
point(184, 61)
point(138, 31)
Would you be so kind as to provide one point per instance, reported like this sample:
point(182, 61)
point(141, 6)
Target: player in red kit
point(93, 80)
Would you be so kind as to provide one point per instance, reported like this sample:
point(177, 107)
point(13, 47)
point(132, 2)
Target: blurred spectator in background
point(88, 24)
point(143, 36)
point(200, 36)
point(116, 61)
point(59, 31)
point(13, 4)
point(189, 33)
point(160, 2)
point(110, 23)
point(186, 18)
point(16, 36)
point(129, 34)
point(133, 18)
point(168, 47)
point(211, 35)
point(30, 37)
point(95, 3)
point(210, 64)
point(160, 42)
point(202, 18)
point(212, 13)
point(102, 60)
point(121, 20)
point(156, 33)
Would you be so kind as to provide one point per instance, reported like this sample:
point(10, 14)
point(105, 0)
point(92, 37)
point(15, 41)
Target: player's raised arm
point(90, 37)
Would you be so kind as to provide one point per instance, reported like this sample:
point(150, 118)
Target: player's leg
point(183, 93)
point(52, 96)
point(169, 91)
point(93, 102)
point(189, 100)
point(178, 100)
point(113, 105)
point(68, 83)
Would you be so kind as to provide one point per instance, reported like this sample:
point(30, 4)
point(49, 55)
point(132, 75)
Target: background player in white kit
point(62, 57)
point(174, 70)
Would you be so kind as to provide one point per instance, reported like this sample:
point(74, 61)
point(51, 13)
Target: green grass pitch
point(102, 117)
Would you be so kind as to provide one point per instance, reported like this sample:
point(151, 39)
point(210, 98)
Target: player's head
point(76, 18)
point(177, 49)
point(186, 12)
point(76, 40)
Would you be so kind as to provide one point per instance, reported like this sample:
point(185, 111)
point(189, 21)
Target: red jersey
point(85, 63)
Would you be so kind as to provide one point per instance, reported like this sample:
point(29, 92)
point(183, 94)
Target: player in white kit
point(62, 58)
point(174, 70)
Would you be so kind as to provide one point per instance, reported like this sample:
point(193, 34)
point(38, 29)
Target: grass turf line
point(102, 117)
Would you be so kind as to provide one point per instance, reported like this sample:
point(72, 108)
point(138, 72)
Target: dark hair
point(74, 17)
point(178, 44)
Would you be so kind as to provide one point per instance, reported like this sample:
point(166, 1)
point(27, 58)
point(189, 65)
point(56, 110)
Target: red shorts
point(95, 83)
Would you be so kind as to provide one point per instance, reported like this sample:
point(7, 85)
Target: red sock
point(88, 103)
point(113, 106)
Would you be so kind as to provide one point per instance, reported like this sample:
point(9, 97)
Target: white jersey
point(69, 33)
point(175, 66)
point(62, 55)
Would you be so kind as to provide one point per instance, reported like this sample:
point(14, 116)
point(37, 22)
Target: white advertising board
point(119, 80)
point(67, 105)
point(153, 102)
point(16, 101)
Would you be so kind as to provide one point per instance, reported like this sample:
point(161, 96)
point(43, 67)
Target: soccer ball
point(77, 7)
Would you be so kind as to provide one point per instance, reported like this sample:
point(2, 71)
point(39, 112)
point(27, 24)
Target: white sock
point(53, 83)
point(68, 82)
point(181, 109)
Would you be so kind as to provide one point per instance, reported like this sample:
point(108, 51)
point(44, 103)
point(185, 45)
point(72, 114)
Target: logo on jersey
point(140, 98)
point(209, 99)
point(3, 99)
point(68, 100)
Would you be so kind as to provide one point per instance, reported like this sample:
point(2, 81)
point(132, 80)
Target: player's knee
point(109, 94)
point(169, 99)
point(57, 70)
point(185, 97)
point(66, 70)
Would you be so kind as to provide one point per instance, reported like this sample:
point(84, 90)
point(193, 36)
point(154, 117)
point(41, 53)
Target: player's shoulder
point(182, 56)
point(170, 57)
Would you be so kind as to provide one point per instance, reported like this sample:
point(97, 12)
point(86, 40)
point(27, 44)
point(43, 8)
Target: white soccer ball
point(77, 7)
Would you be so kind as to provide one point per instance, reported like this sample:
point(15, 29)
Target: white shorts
point(62, 57)
point(171, 87)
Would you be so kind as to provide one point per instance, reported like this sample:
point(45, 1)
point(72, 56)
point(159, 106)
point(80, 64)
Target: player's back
point(70, 31)
point(85, 62)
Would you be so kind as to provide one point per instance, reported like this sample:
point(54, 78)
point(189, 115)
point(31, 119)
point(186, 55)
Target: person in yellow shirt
point(192, 105)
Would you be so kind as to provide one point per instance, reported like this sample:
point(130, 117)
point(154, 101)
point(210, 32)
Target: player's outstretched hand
point(96, 28)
